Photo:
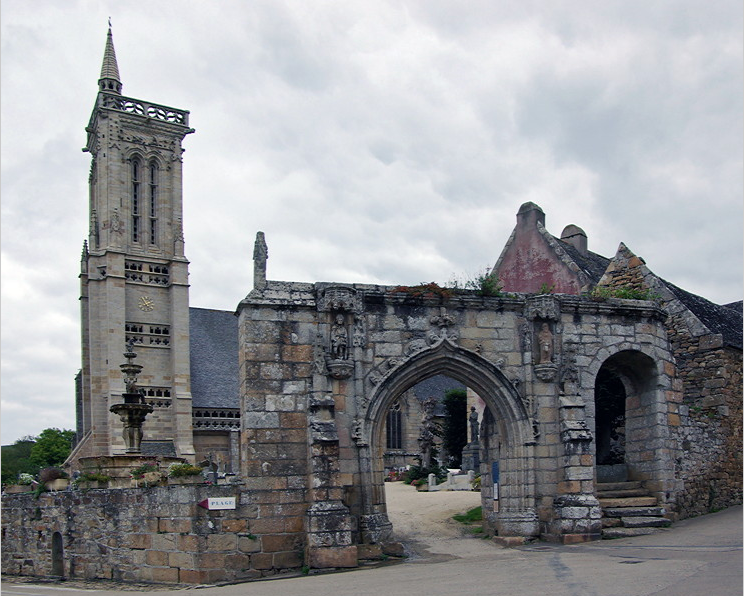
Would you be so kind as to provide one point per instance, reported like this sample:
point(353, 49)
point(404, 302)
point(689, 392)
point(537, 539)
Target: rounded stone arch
point(638, 374)
point(517, 512)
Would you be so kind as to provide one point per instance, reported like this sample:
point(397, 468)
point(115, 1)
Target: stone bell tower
point(134, 275)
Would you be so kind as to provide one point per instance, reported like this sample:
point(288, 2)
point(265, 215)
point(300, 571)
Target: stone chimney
point(576, 237)
point(529, 215)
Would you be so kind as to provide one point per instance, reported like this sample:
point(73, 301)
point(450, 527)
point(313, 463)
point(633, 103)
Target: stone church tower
point(134, 275)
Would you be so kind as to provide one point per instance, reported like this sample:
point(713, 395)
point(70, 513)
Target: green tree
point(15, 459)
point(455, 428)
point(52, 447)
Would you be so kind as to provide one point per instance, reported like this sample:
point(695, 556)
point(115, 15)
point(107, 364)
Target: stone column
point(328, 523)
point(577, 514)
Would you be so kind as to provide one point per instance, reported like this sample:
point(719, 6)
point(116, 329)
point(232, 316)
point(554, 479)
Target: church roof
point(214, 358)
point(591, 263)
point(724, 319)
point(436, 386)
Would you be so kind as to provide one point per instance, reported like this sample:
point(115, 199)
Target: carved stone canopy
point(339, 299)
point(545, 307)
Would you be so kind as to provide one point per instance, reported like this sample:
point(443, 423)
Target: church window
point(153, 188)
point(136, 199)
point(394, 427)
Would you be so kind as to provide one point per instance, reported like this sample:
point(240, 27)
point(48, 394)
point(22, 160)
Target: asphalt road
point(696, 557)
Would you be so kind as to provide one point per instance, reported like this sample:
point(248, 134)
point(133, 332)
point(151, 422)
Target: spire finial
point(109, 81)
point(260, 255)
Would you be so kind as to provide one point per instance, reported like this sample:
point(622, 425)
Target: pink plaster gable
point(529, 263)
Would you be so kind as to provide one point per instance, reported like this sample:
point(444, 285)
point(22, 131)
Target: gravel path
point(423, 523)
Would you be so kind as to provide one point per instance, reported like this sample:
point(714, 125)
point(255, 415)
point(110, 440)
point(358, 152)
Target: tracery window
point(136, 199)
point(394, 427)
point(153, 188)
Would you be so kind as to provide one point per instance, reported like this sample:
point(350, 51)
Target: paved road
point(701, 556)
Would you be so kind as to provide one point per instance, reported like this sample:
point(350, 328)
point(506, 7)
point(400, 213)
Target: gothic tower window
point(394, 427)
point(153, 192)
point(136, 199)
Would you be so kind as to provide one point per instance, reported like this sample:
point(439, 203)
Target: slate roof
point(592, 264)
point(436, 386)
point(214, 358)
point(726, 320)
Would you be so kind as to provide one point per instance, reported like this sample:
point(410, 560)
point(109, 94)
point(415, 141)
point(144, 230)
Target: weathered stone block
point(248, 545)
point(332, 557)
point(168, 575)
point(143, 541)
point(222, 542)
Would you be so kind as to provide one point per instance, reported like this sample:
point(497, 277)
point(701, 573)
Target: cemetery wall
point(157, 534)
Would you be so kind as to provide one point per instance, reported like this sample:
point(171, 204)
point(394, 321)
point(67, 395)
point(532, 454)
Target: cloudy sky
point(386, 142)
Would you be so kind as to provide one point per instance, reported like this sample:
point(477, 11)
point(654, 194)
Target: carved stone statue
point(426, 436)
point(545, 339)
point(339, 339)
point(474, 427)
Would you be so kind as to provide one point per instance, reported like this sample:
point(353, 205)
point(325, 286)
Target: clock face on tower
point(146, 304)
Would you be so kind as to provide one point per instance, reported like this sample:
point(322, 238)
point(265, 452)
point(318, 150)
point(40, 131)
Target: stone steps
point(605, 486)
point(628, 502)
point(628, 510)
point(621, 494)
point(628, 532)
point(633, 511)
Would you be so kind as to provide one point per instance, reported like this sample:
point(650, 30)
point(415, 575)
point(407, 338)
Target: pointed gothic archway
point(517, 514)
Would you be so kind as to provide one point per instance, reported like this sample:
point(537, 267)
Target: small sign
point(215, 503)
point(495, 479)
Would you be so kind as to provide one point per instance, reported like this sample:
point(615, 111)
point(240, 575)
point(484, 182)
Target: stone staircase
point(629, 510)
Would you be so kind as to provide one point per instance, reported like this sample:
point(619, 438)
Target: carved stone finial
point(260, 256)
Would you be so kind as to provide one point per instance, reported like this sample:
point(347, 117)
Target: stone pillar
point(577, 514)
point(328, 522)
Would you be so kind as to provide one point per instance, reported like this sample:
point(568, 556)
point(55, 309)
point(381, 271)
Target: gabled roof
point(592, 264)
point(214, 358)
point(724, 319)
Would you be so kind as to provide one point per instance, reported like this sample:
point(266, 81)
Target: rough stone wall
point(706, 421)
point(300, 391)
point(149, 535)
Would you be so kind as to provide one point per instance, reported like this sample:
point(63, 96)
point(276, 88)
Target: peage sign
point(213, 503)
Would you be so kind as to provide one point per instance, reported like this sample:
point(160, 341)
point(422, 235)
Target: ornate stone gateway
point(321, 364)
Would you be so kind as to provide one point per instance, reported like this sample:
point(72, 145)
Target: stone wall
point(304, 387)
point(706, 420)
point(152, 534)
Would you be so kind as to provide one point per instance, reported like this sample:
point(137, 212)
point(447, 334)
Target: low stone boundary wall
point(157, 534)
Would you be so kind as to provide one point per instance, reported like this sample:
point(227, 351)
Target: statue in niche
point(545, 340)
point(473, 418)
point(339, 339)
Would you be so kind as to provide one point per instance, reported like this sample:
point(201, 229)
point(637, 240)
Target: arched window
point(394, 427)
point(136, 199)
point(153, 196)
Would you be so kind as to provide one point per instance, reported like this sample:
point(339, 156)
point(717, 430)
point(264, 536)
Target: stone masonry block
point(156, 558)
point(248, 545)
point(261, 420)
point(222, 542)
point(185, 560)
point(143, 541)
point(274, 543)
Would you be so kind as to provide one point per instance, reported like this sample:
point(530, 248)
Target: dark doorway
point(609, 395)
point(58, 555)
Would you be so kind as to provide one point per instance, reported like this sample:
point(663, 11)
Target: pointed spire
point(109, 81)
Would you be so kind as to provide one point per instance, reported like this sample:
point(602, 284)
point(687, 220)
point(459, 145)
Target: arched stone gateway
point(517, 514)
point(321, 364)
